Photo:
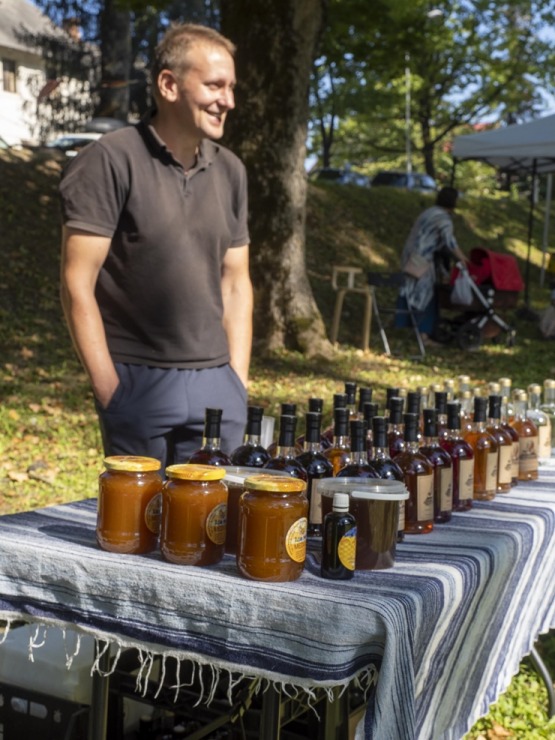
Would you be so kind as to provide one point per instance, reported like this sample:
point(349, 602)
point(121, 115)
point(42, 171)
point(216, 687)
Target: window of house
point(8, 75)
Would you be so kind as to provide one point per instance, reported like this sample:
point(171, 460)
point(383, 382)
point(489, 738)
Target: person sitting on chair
point(430, 240)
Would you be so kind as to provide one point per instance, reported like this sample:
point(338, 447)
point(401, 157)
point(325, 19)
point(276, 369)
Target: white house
point(23, 78)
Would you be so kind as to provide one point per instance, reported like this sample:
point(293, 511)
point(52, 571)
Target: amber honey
point(129, 500)
point(194, 515)
point(273, 524)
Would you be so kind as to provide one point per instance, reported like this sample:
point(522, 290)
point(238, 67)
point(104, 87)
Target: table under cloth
point(446, 628)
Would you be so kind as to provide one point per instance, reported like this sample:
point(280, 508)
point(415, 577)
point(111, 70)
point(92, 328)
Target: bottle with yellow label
point(339, 539)
point(194, 514)
point(129, 503)
point(273, 522)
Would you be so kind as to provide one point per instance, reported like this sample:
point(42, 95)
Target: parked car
point(414, 181)
point(341, 176)
point(71, 144)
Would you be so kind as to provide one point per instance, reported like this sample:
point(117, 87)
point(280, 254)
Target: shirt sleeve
point(241, 236)
point(93, 192)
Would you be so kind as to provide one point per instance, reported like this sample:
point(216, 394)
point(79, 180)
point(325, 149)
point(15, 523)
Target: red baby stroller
point(493, 283)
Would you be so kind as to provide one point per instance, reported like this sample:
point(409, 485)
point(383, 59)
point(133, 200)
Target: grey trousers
point(159, 412)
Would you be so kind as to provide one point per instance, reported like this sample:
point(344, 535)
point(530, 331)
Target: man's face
point(205, 91)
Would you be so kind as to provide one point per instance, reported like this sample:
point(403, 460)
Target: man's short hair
point(173, 50)
point(447, 197)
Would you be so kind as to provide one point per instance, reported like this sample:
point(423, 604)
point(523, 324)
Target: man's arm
point(238, 303)
point(82, 257)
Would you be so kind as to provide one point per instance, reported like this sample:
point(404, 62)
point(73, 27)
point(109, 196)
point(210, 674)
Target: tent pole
point(530, 228)
point(545, 255)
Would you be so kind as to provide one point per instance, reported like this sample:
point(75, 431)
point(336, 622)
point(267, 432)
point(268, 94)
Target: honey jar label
point(295, 540)
point(216, 524)
point(346, 549)
point(153, 513)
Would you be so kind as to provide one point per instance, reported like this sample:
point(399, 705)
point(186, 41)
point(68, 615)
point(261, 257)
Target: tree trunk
point(115, 42)
point(276, 42)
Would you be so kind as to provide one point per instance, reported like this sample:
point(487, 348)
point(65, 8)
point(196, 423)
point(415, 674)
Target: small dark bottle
point(211, 453)
point(251, 453)
point(339, 402)
point(440, 400)
point(317, 406)
point(395, 431)
point(385, 467)
point(443, 468)
point(419, 481)
point(339, 454)
point(358, 467)
point(369, 411)
point(287, 409)
point(286, 454)
point(315, 463)
point(462, 457)
point(339, 541)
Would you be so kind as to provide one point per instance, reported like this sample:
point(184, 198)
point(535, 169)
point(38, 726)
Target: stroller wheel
point(469, 336)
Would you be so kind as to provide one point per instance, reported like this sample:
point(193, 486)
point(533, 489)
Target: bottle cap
point(396, 409)
point(341, 502)
point(316, 404)
point(430, 422)
point(351, 392)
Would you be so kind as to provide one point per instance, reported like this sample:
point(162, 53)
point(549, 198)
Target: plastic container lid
point(368, 488)
point(240, 473)
point(195, 472)
point(275, 484)
point(132, 463)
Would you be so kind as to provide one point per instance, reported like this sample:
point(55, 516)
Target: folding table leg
point(270, 722)
point(98, 716)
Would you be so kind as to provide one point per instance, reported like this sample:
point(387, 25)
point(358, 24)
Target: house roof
point(19, 18)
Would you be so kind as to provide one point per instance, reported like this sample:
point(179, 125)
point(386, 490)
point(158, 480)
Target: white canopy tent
point(526, 148)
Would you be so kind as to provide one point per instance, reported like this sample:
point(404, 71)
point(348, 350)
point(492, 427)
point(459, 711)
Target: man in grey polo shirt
point(155, 279)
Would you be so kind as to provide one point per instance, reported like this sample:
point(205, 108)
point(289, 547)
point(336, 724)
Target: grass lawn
point(49, 441)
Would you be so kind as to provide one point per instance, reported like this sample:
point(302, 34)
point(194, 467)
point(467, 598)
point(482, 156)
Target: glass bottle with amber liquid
point(462, 458)
point(505, 442)
point(515, 456)
point(339, 454)
point(286, 453)
point(358, 465)
point(313, 460)
point(211, 452)
point(541, 420)
point(395, 430)
point(418, 475)
point(548, 405)
point(251, 453)
point(442, 465)
point(485, 453)
point(385, 467)
point(528, 438)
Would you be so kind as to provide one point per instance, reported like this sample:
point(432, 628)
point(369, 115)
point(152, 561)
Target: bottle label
point(153, 513)
point(466, 479)
point(401, 527)
point(295, 540)
point(528, 454)
point(505, 465)
point(515, 459)
point(216, 524)
point(425, 497)
point(545, 441)
point(346, 549)
point(491, 470)
point(446, 489)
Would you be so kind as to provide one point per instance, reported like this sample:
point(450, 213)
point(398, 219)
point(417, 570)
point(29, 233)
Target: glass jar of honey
point(194, 514)
point(129, 504)
point(273, 523)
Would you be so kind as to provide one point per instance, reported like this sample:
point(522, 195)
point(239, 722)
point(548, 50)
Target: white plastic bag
point(461, 292)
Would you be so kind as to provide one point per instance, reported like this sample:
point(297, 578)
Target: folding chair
point(384, 280)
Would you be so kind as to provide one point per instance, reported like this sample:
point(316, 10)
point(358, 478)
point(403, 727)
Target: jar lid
point(240, 473)
point(275, 484)
point(195, 472)
point(379, 489)
point(132, 463)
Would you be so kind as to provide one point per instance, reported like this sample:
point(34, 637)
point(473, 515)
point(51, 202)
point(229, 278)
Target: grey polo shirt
point(159, 290)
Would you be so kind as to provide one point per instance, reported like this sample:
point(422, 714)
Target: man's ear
point(167, 85)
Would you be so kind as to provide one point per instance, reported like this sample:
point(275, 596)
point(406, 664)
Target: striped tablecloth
point(446, 627)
